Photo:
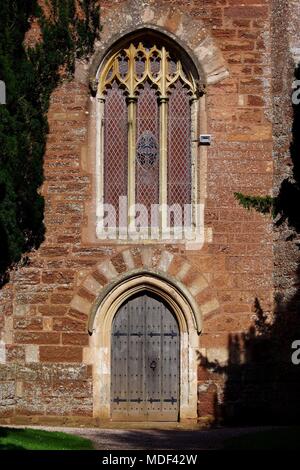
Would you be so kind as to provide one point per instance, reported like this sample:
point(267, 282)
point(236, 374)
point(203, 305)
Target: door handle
point(153, 365)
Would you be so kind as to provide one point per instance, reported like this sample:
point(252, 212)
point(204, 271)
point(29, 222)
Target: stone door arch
point(100, 345)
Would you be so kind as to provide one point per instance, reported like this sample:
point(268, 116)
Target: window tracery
point(148, 103)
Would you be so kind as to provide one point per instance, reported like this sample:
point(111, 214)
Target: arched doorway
point(101, 324)
point(145, 360)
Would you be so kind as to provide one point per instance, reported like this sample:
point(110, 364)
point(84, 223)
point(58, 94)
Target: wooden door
point(145, 361)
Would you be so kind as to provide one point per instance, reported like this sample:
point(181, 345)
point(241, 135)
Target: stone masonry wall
point(44, 374)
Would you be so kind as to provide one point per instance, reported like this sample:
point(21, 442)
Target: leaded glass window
point(146, 97)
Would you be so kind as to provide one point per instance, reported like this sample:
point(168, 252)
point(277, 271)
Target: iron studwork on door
point(145, 361)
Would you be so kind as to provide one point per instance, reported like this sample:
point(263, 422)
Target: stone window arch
point(148, 107)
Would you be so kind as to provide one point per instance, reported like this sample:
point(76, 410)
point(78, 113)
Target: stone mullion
point(132, 103)
point(163, 166)
point(163, 162)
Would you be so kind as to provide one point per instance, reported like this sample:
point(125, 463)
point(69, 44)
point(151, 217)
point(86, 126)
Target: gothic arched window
point(148, 113)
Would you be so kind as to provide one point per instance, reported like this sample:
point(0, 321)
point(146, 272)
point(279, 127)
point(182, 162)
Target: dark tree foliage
point(262, 204)
point(30, 76)
point(287, 203)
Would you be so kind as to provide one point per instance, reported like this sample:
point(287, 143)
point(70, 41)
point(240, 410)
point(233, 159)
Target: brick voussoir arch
point(189, 33)
point(131, 263)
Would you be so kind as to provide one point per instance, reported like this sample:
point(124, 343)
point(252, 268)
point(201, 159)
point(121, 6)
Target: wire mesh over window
point(115, 148)
point(179, 154)
point(147, 151)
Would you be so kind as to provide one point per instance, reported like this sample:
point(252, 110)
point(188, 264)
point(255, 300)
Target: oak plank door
point(145, 361)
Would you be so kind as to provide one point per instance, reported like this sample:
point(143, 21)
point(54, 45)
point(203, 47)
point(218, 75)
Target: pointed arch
point(155, 35)
point(105, 309)
point(188, 35)
point(157, 281)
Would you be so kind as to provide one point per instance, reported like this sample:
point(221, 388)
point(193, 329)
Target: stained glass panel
point(155, 65)
point(140, 65)
point(179, 152)
point(123, 64)
point(147, 157)
point(115, 147)
point(144, 73)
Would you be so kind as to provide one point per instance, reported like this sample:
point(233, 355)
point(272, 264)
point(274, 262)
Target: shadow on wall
point(262, 385)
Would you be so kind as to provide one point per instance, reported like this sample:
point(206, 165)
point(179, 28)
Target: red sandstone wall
point(44, 337)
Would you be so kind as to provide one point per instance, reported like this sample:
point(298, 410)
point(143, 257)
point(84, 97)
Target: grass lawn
point(285, 438)
point(35, 439)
